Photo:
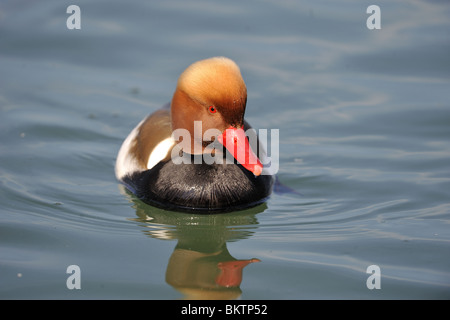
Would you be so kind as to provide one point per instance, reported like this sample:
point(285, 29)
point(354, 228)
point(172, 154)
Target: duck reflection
point(201, 267)
point(206, 275)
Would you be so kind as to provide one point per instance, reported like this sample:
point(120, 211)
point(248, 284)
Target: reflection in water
point(200, 266)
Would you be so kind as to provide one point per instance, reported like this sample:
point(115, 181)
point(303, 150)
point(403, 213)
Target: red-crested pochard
point(211, 93)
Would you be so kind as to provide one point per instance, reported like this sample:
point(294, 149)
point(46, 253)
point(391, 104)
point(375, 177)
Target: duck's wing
point(147, 144)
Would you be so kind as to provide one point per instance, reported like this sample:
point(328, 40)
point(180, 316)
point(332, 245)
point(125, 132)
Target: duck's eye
point(212, 109)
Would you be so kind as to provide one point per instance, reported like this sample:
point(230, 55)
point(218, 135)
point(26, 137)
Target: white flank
point(126, 162)
point(160, 152)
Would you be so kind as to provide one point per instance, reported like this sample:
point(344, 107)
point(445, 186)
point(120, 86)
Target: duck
point(165, 161)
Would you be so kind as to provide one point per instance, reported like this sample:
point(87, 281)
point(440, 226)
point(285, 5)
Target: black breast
point(200, 187)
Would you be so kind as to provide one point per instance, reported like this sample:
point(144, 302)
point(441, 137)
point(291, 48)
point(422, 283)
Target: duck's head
point(212, 91)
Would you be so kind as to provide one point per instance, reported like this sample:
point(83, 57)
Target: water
point(364, 119)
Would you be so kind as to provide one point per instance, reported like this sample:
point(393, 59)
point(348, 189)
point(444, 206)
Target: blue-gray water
point(364, 120)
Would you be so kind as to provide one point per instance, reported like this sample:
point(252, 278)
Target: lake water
point(364, 123)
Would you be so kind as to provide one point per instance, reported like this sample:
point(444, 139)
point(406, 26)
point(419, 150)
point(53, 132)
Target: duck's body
point(212, 93)
point(199, 187)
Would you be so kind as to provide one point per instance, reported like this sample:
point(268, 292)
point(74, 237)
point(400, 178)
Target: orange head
point(213, 91)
